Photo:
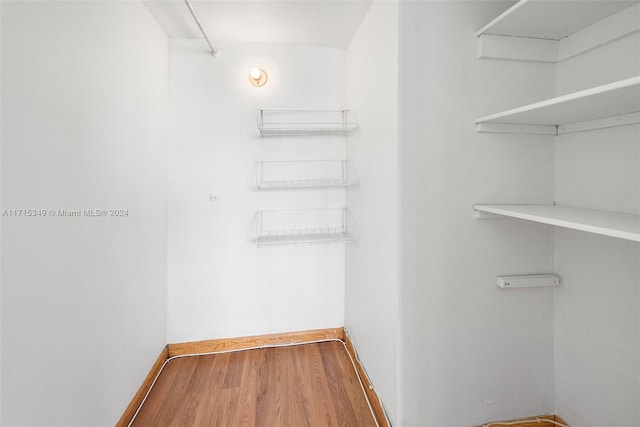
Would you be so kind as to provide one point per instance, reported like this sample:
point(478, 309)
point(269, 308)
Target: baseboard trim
point(527, 422)
point(369, 390)
point(138, 398)
point(225, 344)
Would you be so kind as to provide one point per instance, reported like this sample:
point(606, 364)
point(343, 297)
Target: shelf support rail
point(347, 213)
point(214, 52)
point(259, 175)
point(353, 170)
point(260, 119)
point(258, 224)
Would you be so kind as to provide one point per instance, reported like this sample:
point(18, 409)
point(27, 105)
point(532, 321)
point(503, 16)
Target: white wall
point(471, 352)
point(1, 317)
point(220, 284)
point(371, 311)
point(84, 100)
point(597, 323)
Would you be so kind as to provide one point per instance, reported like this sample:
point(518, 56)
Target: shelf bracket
point(516, 128)
point(486, 215)
point(603, 123)
point(517, 48)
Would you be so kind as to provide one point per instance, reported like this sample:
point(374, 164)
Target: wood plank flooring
point(301, 385)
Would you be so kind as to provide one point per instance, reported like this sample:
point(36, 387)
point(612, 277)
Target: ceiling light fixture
point(257, 76)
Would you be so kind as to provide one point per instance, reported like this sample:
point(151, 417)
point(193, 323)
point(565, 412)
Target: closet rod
point(214, 51)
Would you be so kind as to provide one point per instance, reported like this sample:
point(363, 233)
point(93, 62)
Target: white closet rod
point(214, 51)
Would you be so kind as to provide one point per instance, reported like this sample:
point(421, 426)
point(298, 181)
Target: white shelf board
point(551, 20)
point(304, 239)
point(613, 99)
point(613, 224)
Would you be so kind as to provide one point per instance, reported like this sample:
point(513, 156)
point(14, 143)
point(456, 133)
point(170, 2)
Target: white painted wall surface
point(597, 316)
point(471, 352)
point(372, 282)
point(219, 283)
point(84, 107)
point(1, 317)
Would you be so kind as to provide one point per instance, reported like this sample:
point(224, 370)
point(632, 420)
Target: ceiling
point(311, 22)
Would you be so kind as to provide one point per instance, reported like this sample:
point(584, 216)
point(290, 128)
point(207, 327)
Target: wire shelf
point(306, 122)
point(305, 174)
point(307, 227)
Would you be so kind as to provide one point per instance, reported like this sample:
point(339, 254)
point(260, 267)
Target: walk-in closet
point(416, 213)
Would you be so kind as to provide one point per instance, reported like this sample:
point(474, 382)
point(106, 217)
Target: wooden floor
point(301, 385)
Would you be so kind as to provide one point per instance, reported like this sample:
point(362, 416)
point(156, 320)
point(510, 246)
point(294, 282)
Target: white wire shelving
point(305, 174)
point(304, 227)
point(306, 122)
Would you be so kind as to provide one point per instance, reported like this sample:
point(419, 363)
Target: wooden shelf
point(613, 224)
point(551, 20)
point(613, 99)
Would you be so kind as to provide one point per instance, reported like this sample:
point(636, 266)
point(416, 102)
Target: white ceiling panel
point(311, 22)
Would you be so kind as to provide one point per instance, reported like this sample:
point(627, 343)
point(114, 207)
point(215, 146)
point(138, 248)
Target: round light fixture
point(257, 76)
